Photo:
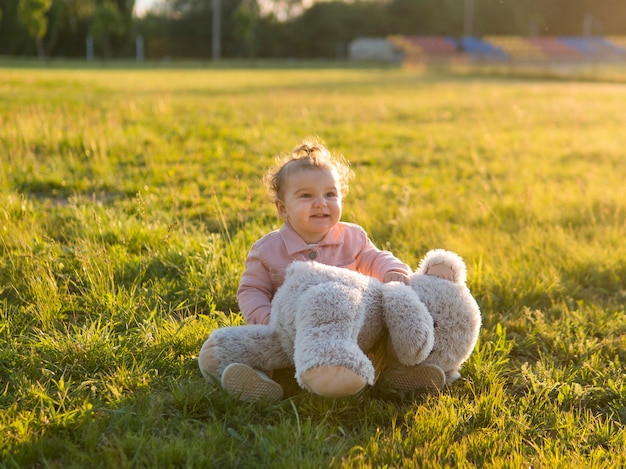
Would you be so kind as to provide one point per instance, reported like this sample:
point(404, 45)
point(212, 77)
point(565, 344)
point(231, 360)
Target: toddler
point(307, 188)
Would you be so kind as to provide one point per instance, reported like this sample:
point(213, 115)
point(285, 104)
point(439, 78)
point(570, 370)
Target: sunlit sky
point(141, 6)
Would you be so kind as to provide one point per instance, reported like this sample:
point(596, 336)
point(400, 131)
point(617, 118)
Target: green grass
point(129, 199)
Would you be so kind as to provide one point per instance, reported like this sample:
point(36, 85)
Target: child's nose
point(320, 201)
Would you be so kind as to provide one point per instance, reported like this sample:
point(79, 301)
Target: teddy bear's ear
point(445, 264)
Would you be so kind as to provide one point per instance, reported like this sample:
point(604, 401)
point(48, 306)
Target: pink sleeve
point(376, 263)
point(254, 294)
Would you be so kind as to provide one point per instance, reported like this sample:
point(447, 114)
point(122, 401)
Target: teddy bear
point(324, 319)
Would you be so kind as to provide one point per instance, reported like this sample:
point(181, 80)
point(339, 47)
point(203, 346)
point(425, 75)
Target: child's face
point(311, 203)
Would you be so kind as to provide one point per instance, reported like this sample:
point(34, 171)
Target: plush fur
point(325, 316)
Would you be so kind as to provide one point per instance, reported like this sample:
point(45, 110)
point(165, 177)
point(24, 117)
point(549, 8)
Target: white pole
point(89, 45)
point(588, 25)
point(139, 48)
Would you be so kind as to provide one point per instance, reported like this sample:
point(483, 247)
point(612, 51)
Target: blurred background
point(395, 31)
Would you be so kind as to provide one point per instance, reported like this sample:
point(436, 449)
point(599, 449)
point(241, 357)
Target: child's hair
point(308, 155)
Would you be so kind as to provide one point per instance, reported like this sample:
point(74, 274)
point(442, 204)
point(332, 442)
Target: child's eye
point(331, 194)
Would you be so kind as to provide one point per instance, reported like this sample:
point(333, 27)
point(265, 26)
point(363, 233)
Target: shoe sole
point(417, 378)
point(247, 384)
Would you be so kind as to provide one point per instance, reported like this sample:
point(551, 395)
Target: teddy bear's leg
point(328, 359)
point(410, 325)
point(231, 354)
point(207, 361)
point(254, 345)
point(409, 343)
point(333, 381)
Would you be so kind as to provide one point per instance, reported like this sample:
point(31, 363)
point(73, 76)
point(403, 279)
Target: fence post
point(139, 44)
point(89, 45)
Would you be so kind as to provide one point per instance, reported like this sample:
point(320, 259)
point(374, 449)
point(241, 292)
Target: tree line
point(183, 28)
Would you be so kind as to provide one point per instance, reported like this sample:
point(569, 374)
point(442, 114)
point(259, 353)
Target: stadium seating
point(589, 46)
point(617, 42)
point(433, 45)
point(421, 48)
point(597, 47)
point(402, 43)
point(512, 48)
point(554, 49)
point(481, 49)
point(516, 47)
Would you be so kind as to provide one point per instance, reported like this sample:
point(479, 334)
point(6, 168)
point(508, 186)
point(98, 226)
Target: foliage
point(32, 14)
point(245, 20)
point(182, 28)
point(68, 23)
point(107, 22)
point(129, 198)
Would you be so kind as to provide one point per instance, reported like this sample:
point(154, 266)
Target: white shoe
point(249, 384)
point(425, 377)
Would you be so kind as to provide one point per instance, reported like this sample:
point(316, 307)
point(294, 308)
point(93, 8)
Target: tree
point(285, 9)
point(245, 20)
point(107, 23)
point(326, 29)
point(32, 14)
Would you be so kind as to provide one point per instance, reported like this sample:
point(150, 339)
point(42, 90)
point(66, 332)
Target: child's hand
point(396, 277)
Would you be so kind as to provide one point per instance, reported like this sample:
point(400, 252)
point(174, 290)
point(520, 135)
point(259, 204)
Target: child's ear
point(280, 207)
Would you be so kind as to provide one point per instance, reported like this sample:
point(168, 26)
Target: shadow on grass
point(188, 423)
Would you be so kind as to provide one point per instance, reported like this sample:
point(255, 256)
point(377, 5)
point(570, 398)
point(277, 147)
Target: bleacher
point(595, 47)
point(480, 49)
point(516, 47)
point(554, 49)
point(512, 48)
point(422, 48)
point(618, 42)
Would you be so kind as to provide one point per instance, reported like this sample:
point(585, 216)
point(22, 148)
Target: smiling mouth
point(320, 215)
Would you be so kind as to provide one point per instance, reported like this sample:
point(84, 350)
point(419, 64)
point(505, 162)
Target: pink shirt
point(346, 245)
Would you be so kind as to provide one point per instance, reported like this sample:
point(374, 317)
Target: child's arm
point(382, 265)
point(254, 294)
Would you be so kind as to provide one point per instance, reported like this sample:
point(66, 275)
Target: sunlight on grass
point(129, 199)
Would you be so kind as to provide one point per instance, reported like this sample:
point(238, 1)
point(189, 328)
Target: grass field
point(129, 199)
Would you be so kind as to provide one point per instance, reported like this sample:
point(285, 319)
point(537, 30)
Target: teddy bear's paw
point(452, 375)
point(249, 384)
point(425, 377)
point(208, 362)
point(332, 381)
point(441, 271)
point(444, 264)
